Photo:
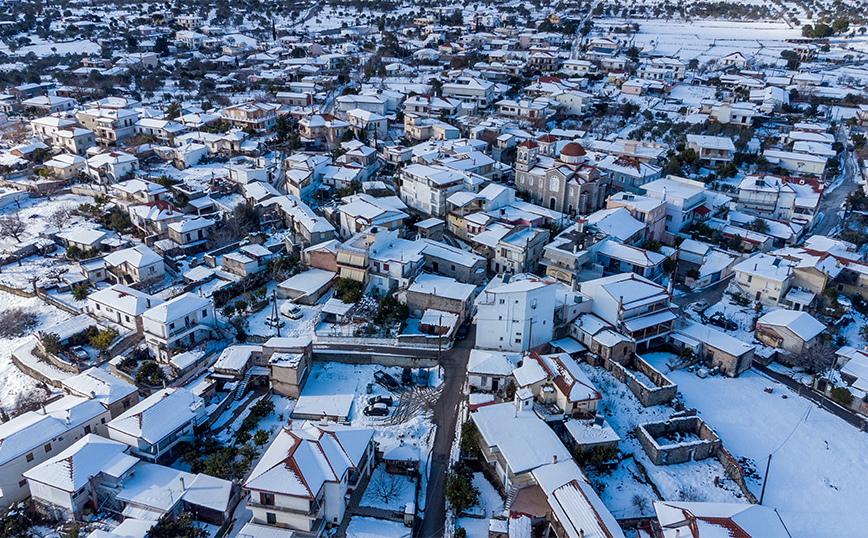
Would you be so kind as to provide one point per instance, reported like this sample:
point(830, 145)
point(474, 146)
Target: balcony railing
point(311, 512)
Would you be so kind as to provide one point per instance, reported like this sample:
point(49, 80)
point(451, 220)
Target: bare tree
point(16, 322)
point(387, 487)
point(59, 218)
point(13, 226)
point(815, 359)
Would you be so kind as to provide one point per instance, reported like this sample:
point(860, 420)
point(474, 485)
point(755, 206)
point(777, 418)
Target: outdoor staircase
point(510, 498)
point(242, 387)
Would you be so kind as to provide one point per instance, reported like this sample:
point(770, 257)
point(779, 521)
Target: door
point(495, 384)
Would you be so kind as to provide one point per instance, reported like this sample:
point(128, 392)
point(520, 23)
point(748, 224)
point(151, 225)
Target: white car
point(291, 310)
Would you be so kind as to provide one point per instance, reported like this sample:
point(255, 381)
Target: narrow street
point(454, 365)
point(834, 201)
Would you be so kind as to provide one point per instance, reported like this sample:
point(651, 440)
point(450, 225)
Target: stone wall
point(663, 452)
point(662, 391)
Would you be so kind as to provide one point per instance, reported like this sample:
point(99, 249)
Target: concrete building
point(515, 313)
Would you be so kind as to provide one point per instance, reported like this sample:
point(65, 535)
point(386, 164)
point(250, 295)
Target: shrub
point(80, 291)
point(150, 373)
point(841, 395)
point(51, 343)
point(103, 339)
point(180, 527)
point(458, 487)
point(260, 437)
point(390, 311)
point(469, 439)
point(348, 291)
point(597, 455)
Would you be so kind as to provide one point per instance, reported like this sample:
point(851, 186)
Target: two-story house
point(155, 425)
point(304, 478)
point(634, 305)
point(36, 436)
point(178, 323)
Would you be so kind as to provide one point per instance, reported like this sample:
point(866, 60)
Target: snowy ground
point(627, 490)
point(490, 505)
point(388, 491)
point(13, 382)
point(366, 527)
point(291, 327)
point(693, 481)
point(415, 428)
point(817, 477)
point(272, 423)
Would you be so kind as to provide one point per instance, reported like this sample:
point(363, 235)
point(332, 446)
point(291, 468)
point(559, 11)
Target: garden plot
point(691, 481)
point(817, 477)
point(490, 505)
point(388, 491)
point(367, 527)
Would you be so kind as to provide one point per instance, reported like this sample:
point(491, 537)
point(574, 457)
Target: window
point(127, 318)
point(266, 499)
point(98, 308)
point(171, 326)
point(22, 483)
point(87, 429)
point(48, 447)
point(518, 340)
point(30, 457)
point(204, 313)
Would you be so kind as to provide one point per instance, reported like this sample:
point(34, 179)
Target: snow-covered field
point(819, 465)
point(13, 382)
point(367, 527)
point(693, 481)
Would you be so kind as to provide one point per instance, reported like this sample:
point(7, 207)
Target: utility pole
point(439, 345)
point(275, 314)
point(766, 479)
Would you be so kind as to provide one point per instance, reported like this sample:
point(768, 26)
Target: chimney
point(554, 458)
point(183, 486)
point(92, 395)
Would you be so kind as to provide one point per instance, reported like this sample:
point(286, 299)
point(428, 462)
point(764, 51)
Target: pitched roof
point(298, 462)
point(158, 415)
point(73, 468)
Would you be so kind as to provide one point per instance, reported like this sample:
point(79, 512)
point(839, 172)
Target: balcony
point(309, 513)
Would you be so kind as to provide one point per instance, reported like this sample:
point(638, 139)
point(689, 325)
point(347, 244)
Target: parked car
point(377, 410)
point(700, 305)
point(380, 399)
point(80, 353)
point(718, 320)
point(461, 334)
point(291, 310)
point(422, 377)
point(386, 381)
point(407, 377)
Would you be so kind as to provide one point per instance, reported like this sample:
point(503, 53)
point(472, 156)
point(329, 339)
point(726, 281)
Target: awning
point(568, 345)
point(702, 210)
point(637, 324)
